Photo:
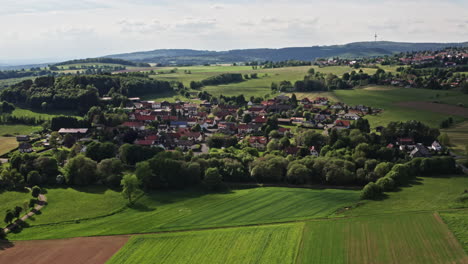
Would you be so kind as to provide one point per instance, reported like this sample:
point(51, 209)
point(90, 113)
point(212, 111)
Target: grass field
point(189, 210)
point(78, 203)
point(426, 194)
point(266, 244)
point(410, 238)
point(8, 200)
point(458, 137)
point(43, 115)
point(18, 129)
point(458, 224)
point(7, 144)
point(387, 99)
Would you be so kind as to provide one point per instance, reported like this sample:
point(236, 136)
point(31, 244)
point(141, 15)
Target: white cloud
point(84, 28)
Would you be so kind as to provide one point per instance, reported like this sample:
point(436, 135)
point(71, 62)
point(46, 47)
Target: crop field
point(266, 244)
point(458, 137)
point(18, 129)
point(429, 194)
point(188, 210)
point(388, 99)
point(7, 144)
point(458, 224)
point(410, 238)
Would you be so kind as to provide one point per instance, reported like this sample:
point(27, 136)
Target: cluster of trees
point(416, 130)
point(399, 174)
point(314, 81)
point(224, 78)
point(80, 91)
point(23, 73)
point(104, 60)
point(278, 64)
point(6, 107)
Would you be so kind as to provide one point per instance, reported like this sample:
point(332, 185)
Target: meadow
point(424, 194)
point(46, 115)
point(409, 238)
point(185, 210)
point(8, 200)
point(18, 129)
point(458, 224)
point(388, 98)
point(265, 244)
point(458, 136)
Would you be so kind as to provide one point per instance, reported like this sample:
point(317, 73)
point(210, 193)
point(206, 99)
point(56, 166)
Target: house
point(258, 142)
point(134, 125)
point(420, 151)
point(76, 132)
point(351, 116)
point(282, 130)
point(260, 120)
point(436, 146)
point(22, 138)
point(405, 141)
point(177, 124)
point(144, 142)
point(25, 147)
point(313, 151)
point(291, 150)
point(342, 124)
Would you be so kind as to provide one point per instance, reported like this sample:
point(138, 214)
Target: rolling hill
point(351, 50)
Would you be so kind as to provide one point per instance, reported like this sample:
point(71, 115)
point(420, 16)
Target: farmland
point(189, 210)
point(410, 238)
point(266, 244)
point(458, 137)
point(7, 144)
point(18, 129)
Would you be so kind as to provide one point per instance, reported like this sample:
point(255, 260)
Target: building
point(22, 138)
point(25, 147)
point(420, 151)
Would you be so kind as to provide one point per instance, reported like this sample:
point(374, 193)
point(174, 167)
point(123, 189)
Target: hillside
point(351, 50)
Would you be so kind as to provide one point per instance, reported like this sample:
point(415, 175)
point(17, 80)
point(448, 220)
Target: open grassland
point(388, 99)
point(190, 210)
point(7, 144)
point(78, 203)
point(330, 95)
point(410, 238)
point(47, 115)
point(18, 129)
point(458, 224)
point(8, 200)
point(458, 137)
point(266, 244)
point(425, 194)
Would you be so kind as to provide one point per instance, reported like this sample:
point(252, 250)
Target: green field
point(190, 210)
point(79, 203)
point(410, 238)
point(458, 224)
point(425, 194)
point(8, 200)
point(7, 144)
point(458, 137)
point(18, 129)
point(266, 244)
point(41, 114)
point(387, 99)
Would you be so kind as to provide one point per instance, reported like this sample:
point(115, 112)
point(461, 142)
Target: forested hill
point(351, 50)
point(104, 60)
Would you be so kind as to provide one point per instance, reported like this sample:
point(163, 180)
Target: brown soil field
point(438, 108)
point(71, 251)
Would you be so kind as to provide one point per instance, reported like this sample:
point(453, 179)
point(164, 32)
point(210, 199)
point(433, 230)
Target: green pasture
point(184, 210)
point(7, 144)
point(458, 224)
point(409, 238)
point(265, 244)
point(18, 129)
point(458, 136)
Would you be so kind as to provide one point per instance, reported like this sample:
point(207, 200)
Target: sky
point(52, 30)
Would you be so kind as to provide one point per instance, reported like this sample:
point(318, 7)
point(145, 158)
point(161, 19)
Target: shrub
point(386, 184)
point(371, 191)
point(35, 191)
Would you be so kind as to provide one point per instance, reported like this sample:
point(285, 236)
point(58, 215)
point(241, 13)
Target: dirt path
point(71, 251)
point(40, 204)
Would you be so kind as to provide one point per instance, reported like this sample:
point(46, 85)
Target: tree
point(80, 170)
point(298, 174)
point(35, 191)
point(371, 191)
point(213, 179)
point(386, 183)
point(68, 140)
point(9, 216)
point(109, 171)
point(382, 169)
point(34, 178)
point(11, 178)
point(130, 187)
point(444, 139)
point(144, 173)
point(247, 118)
point(17, 211)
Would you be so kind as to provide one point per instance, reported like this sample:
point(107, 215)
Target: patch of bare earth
point(71, 251)
point(438, 108)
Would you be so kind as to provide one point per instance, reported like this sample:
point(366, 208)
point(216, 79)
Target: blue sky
point(36, 30)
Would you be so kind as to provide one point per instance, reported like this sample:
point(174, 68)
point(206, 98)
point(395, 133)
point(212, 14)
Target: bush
point(386, 184)
point(35, 191)
point(371, 191)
